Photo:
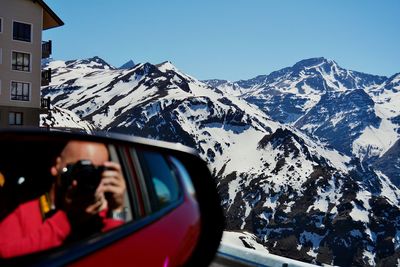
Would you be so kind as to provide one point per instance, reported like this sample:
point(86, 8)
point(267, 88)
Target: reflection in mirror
point(162, 184)
point(58, 193)
point(69, 197)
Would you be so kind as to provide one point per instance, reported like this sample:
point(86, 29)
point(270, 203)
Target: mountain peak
point(166, 66)
point(96, 58)
point(94, 62)
point(311, 62)
point(128, 65)
point(395, 78)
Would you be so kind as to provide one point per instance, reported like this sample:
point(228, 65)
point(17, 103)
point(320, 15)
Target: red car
point(171, 211)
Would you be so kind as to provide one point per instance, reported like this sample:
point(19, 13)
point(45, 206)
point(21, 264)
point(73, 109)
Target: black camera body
point(87, 175)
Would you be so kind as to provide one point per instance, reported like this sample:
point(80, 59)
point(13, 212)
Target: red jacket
point(24, 230)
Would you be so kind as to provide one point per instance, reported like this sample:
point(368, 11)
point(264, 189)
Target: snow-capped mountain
point(300, 198)
point(65, 119)
point(340, 118)
point(387, 105)
point(226, 87)
point(356, 113)
point(389, 163)
point(289, 93)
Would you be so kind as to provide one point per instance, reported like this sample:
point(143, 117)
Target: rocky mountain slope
point(357, 114)
point(301, 198)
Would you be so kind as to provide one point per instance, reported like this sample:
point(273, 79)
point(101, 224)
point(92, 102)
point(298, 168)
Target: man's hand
point(113, 186)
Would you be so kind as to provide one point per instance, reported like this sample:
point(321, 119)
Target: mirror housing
point(179, 228)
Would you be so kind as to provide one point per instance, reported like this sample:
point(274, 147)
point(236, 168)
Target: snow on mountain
point(340, 117)
point(312, 75)
point(302, 207)
point(166, 66)
point(387, 100)
point(60, 118)
point(289, 93)
point(88, 63)
point(300, 198)
point(364, 125)
point(375, 141)
point(389, 163)
point(91, 63)
point(226, 87)
point(240, 239)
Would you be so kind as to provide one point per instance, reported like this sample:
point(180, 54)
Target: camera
point(85, 173)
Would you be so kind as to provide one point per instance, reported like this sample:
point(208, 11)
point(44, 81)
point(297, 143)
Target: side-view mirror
point(74, 199)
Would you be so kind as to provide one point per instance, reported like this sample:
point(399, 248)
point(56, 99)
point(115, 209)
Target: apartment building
point(21, 51)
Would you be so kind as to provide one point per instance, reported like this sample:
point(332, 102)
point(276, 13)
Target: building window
point(21, 61)
point(1, 55)
point(15, 118)
point(21, 31)
point(20, 91)
point(1, 25)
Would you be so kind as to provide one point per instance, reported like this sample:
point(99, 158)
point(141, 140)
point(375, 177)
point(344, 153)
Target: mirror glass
point(63, 193)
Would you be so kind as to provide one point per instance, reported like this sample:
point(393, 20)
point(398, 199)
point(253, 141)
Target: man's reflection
point(70, 210)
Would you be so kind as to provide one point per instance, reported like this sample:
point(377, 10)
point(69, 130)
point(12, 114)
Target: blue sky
point(231, 39)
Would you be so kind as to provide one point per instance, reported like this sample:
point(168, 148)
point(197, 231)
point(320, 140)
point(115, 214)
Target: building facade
point(21, 52)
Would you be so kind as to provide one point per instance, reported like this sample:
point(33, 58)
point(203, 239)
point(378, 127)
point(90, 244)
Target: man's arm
point(17, 239)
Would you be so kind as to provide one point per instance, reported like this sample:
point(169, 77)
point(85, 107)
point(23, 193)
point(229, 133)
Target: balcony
point(46, 49)
point(45, 102)
point(46, 77)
